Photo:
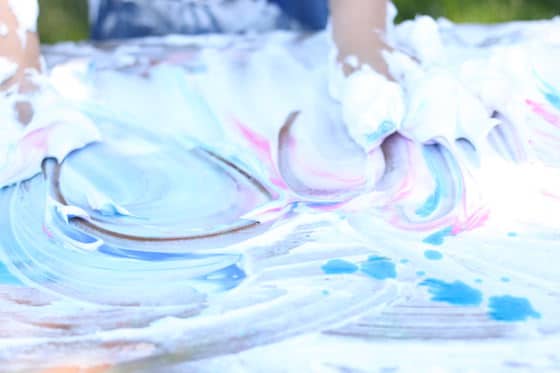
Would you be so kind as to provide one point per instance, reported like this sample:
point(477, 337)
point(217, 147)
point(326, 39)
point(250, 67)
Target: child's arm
point(359, 30)
point(12, 48)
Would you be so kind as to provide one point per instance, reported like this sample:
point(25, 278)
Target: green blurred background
point(67, 19)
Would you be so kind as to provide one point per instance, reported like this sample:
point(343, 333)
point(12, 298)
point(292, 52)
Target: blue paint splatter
point(437, 238)
point(505, 279)
point(512, 234)
point(550, 92)
point(404, 261)
point(431, 204)
point(456, 293)
point(6, 277)
point(510, 309)
point(478, 281)
point(339, 267)
point(379, 268)
point(421, 273)
point(433, 255)
point(325, 292)
point(553, 99)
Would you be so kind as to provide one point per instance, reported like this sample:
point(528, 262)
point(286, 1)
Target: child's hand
point(359, 33)
point(19, 44)
point(372, 103)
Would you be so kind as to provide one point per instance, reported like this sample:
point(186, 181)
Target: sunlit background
point(67, 19)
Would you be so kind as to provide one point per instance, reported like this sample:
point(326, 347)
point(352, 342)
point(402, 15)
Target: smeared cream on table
point(236, 214)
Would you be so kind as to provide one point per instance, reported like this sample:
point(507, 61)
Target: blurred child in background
point(358, 25)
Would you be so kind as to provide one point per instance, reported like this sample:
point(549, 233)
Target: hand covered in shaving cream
point(427, 101)
point(36, 122)
point(372, 104)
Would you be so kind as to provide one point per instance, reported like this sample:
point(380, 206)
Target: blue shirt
point(117, 19)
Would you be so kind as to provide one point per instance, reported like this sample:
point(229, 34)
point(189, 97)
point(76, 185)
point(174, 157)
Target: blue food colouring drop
point(457, 293)
point(421, 273)
point(433, 255)
point(553, 99)
point(404, 261)
point(339, 267)
point(379, 268)
point(510, 309)
point(512, 234)
point(505, 279)
point(437, 238)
